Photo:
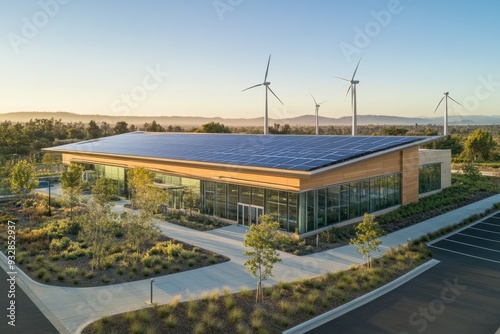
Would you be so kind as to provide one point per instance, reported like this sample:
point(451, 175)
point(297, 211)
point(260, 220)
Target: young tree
point(103, 190)
point(145, 195)
point(367, 240)
point(5, 172)
point(264, 240)
point(98, 225)
point(137, 179)
point(471, 171)
point(71, 182)
point(50, 160)
point(150, 198)
point(141, 230)
point(191, 198)
point(23, 179)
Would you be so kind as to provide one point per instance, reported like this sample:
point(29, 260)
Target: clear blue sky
point(85, 56)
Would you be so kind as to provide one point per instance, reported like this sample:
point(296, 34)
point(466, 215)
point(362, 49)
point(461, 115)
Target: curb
point(360, 301)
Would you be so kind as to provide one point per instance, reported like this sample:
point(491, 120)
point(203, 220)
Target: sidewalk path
point(71, 309)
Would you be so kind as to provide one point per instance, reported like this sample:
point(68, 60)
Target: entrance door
point(248, 214)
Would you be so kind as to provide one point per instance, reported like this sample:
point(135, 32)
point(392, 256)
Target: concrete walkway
point(71, 309)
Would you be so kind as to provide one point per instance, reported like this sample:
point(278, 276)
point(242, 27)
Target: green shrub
point(171, 321)
point(41, 273)
point(235, 315)
point(71, 272)
point(144, 315)
point(151, 260)
point(146, 272)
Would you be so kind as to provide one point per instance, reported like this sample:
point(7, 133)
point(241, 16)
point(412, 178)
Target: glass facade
point(429, 178)
point(337, 203)
point(176, 186)
point(117, 174)
point(245, 204)
point(304, 212)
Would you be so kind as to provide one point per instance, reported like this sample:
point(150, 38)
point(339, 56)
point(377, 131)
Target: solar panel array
point(291, 152)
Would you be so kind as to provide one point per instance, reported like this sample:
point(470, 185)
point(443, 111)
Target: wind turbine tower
point(352, 88)
point(446, 97)
point(317, 111)
point(266, 84)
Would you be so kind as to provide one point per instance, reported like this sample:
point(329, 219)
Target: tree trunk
point(259, 298)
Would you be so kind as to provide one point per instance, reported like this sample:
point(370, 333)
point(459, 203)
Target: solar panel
point(292, 152)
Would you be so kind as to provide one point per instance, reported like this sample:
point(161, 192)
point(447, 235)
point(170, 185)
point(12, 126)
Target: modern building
point(307, 183)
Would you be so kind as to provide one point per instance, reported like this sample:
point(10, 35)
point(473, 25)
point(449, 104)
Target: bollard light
point(151, 299)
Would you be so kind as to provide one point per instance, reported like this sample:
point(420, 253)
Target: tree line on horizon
point(28, 138)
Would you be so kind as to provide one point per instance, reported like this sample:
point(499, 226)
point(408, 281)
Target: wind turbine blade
point(454, 101)
point(313, 98)
point(267, 69)
point(251, 87)
point(354, 74)
point(439, 104)
point(348, 89)
point(276, 96)
point(343, 79)
point(323, 102)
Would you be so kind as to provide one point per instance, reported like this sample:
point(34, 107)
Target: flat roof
point(286, 152)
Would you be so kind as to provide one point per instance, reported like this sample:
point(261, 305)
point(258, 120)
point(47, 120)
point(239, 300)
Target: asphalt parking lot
point(461, 294)
point(480, 241)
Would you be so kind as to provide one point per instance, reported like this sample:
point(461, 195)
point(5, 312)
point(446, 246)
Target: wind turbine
point(266, 84)
point(317, 109)
point(446, 97)
point(352, 88)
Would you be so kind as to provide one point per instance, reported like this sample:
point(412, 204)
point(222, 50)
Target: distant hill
point(305, 120)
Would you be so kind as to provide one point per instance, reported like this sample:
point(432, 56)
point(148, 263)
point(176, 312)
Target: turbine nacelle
point(445, 98)
point(355, 82)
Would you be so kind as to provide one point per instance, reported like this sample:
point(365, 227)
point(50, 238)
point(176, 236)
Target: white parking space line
point(466, 244)
point(489, 224)
point(475, 228)
point(473, 236)
point(476, 257)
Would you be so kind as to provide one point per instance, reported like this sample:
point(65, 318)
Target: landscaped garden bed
point(286, 304)
point(51, 251)
point(193, 220)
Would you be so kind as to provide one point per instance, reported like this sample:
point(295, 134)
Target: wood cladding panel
point(410, 168)
point(229, 174)
point(381, 165)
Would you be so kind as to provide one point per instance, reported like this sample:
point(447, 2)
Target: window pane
point(258, 196)
point(333, 205)
point(344, 202)
point(354, 200)
point(292, 212)
point(321, 208)
point(310, 210)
